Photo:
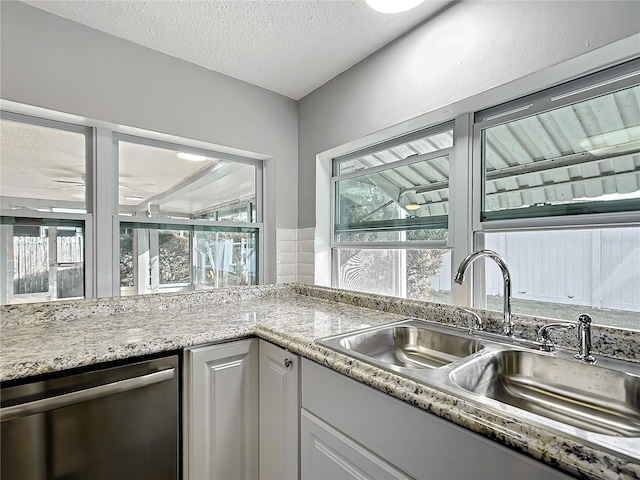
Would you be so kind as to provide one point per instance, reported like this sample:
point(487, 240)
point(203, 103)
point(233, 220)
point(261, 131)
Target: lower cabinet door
point(328, 454)
point(279, 413)
point(221, 411)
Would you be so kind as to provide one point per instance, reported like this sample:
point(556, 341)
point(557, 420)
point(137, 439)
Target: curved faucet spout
point(507, 321)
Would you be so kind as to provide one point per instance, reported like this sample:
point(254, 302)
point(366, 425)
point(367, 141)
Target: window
point(43, 196)
point(45, 259)
point(560, 199)
point(391, 206)
point(165, 180)
point(174, 258)
point(563, 273)
point(578, 159)
point(123, 214)
point(44, 165)
point(189, 218)
point(553, 186)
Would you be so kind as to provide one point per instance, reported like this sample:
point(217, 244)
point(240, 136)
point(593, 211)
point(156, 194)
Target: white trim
point(460, 202)
point(49, 215)
point(594, 220)
point(399, 163)
point(399, 245)
point(51, 115)
point(183, 221)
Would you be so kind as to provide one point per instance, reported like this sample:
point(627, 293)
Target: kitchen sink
point(406, 345)
point(598, 404)
point(589, 397)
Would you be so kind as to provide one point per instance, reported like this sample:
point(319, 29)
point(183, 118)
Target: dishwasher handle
point(39, 406)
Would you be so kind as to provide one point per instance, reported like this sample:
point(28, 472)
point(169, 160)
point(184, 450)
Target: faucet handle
point(475, 321)
point(544, 334)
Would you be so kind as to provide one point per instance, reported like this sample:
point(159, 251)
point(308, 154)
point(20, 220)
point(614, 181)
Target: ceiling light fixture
point(132, 197)
point(393, 6)
point(412, 206)
point(191, 157)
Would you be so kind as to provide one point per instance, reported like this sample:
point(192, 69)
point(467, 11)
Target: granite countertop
point(43, 338)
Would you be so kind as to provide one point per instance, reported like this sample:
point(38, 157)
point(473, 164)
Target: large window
point(391, 211)
point(551, 181)
point(560, 199)
point(121, 214)
point(189, 218)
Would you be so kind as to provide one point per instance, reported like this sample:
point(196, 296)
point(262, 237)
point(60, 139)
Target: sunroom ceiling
point(581, 151)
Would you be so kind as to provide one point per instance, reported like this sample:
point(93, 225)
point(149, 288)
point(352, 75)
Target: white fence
point(598, 268)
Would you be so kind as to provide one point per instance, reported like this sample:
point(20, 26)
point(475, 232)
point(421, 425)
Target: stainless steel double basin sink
point(597, 403)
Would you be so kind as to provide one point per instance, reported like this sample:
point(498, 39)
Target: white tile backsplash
point(306, 233)
point(306, 257)
point(295, 255)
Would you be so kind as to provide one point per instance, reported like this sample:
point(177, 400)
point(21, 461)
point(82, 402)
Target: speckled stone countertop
point(43, 338)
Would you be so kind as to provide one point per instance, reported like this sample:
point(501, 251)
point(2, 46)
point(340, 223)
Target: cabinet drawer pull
point(287, 362)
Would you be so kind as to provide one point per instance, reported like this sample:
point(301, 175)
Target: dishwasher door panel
point(126, 434)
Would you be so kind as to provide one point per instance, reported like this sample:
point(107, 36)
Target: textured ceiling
point(291, 47)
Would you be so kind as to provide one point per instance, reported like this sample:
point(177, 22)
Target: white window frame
point(449, 152)
point(102, 220)
point(584, 88)
point(465, 178)
point(35, 204)
point(118, 219)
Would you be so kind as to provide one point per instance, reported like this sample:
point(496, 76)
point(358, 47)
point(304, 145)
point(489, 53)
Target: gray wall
point(466, 49)
point(52, 62)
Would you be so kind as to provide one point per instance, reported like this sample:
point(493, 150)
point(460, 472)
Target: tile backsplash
point(295, 252)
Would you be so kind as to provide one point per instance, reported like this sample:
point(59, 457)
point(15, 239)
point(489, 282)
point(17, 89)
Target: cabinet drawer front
point(327, 453)
point(417, 442)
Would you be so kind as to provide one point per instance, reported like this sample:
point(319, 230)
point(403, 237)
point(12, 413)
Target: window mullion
point(461, 203)
point(105, 183)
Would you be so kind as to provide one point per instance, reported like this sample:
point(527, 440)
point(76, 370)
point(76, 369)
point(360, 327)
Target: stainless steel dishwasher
point(112, 423)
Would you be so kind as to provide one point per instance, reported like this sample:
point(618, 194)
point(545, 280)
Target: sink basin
point(409, 345)
point(589, 397)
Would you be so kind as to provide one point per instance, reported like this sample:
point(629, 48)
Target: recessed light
point(191, 157)
point(132, 197)
point(412, 206)
point(393, 6)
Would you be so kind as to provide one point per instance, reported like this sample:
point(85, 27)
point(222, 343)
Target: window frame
point(400, 245)
point(336, 177)
point(87, 218)
point(466, 230)
point(156, 221)
point(586, 87)
point(102, 218)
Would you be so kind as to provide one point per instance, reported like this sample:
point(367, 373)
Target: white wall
point(54, 63)
point(469, 48)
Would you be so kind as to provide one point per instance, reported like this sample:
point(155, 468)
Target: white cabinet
point(402, 438)
point(279, 413)
point(221, 411)
point(327, 453)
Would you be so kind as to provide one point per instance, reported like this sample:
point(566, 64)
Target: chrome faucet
point(507, 321)
point(584, 337)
